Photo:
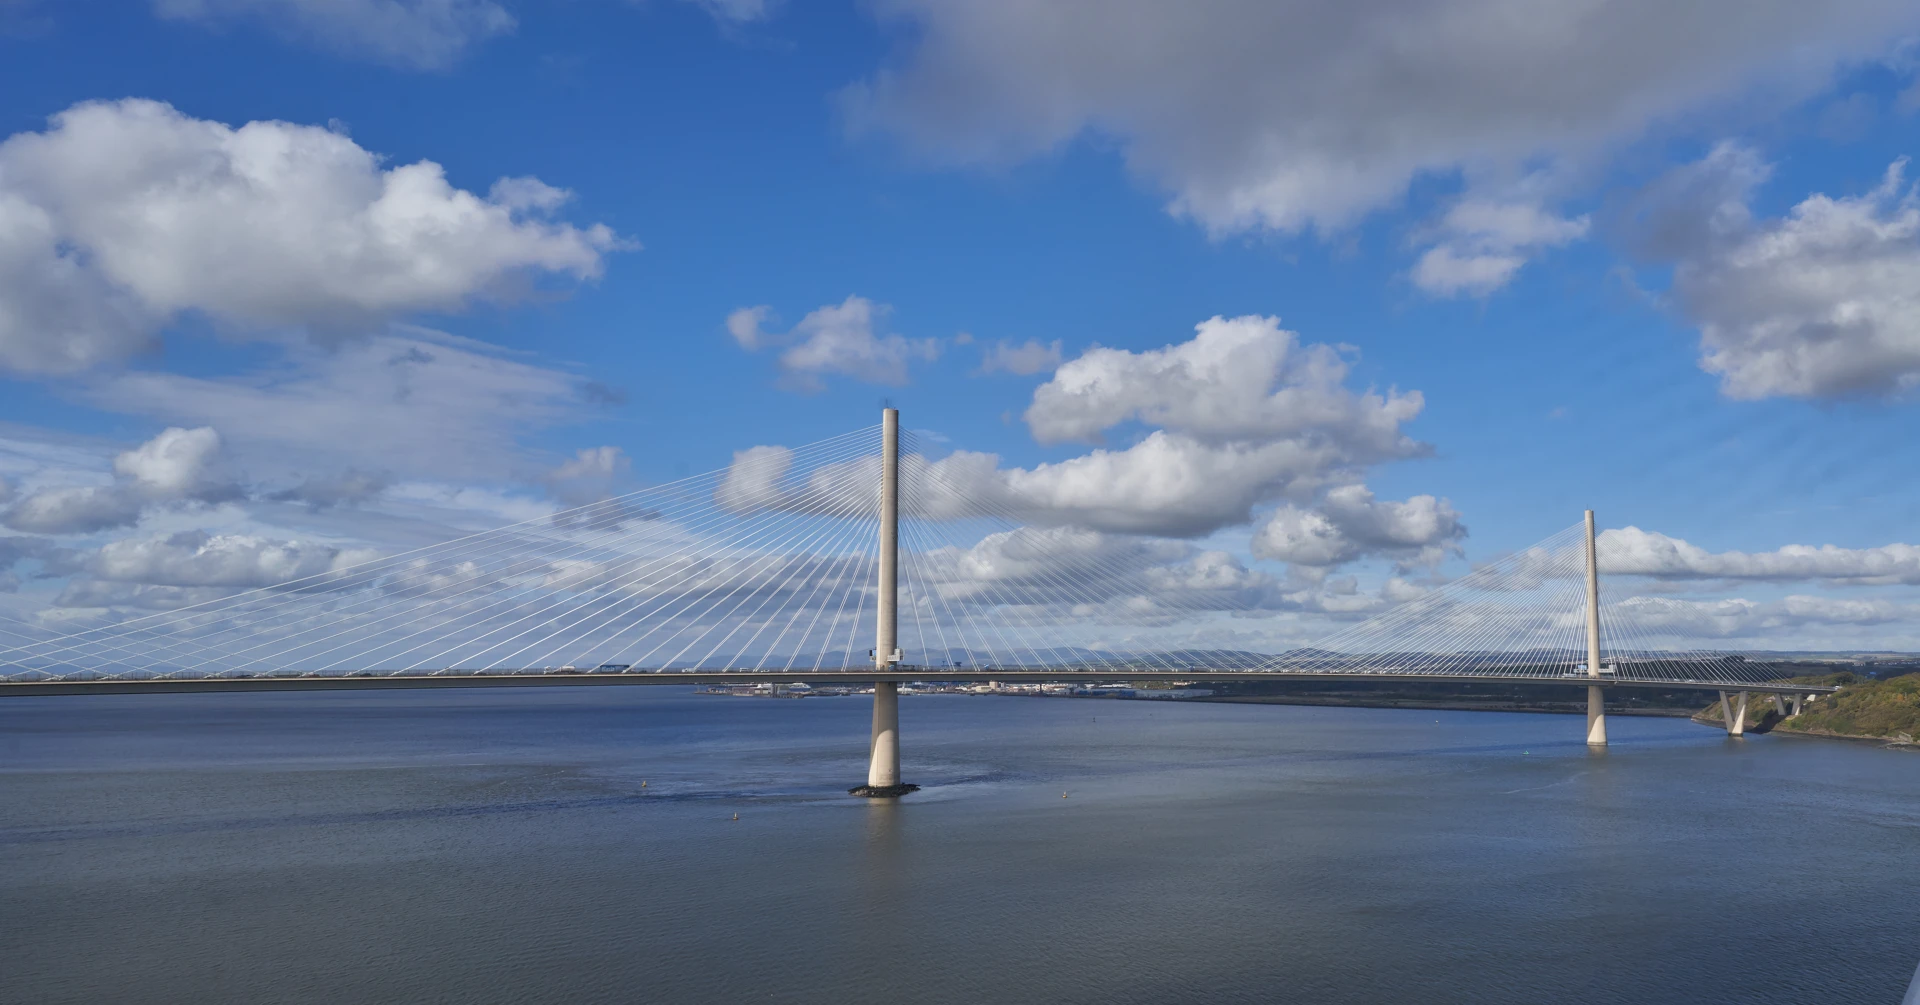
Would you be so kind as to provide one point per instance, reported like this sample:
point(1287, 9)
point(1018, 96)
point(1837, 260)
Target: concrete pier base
point(1596, 717)
point(883, 751)
point(1799, 703)
point(883, 791)
point(1780, 706)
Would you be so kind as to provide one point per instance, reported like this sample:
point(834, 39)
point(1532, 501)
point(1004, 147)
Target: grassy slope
point(1881, 708)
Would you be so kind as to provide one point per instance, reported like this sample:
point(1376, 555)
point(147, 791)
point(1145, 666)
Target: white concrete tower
point(1596, 701)
point(883, 751)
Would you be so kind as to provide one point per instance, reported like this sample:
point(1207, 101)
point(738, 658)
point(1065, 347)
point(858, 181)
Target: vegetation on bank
point(1864, 707)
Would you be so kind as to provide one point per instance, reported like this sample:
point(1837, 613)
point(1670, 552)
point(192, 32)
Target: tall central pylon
point(1596, 700)
point(883, 751)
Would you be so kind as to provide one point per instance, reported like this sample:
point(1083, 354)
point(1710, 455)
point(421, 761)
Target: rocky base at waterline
point(883, 791)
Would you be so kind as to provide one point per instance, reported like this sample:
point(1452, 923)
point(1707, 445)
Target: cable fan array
point(983, 585)
point(1523, 615)
point(770, 565)
point(987, 583)
point(772, 555)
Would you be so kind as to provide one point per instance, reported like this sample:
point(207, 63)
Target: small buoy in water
point(1063, 795)
point(736, 816)
point(643, 784)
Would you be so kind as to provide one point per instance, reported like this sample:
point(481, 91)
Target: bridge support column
point(1596, 700)
point(1780, 706)
point(883, 753)
point(883, 750)
point(1799, 702)
point(1734, 714)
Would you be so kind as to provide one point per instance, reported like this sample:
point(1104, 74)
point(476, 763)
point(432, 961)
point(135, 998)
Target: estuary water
point(580, 845)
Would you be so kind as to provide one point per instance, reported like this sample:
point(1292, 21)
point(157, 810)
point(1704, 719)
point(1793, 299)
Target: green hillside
point(1863, 707)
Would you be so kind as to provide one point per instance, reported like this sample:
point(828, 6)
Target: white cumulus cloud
point(1634, 552)
point(1484, 243)
point(1087, 575)
point(1349, 524)
point(753, 480)
point(1166, 484)
point(834, 339)
point(1740, 618)
point(747, 326)
point(1239, 379)
point(585, 485)
point(74, 510)
point(1823, 302)
point(1246, 414)
point(1262, 115)
point(123, 215)
point(178, 465)
point(196, 558)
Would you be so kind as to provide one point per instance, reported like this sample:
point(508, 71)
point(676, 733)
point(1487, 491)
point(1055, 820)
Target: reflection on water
point(495, 846)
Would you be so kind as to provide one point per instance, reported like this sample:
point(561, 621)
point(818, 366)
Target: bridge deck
point(505, 678)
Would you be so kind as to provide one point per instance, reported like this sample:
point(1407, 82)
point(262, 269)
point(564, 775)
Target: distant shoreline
point(1567, 708)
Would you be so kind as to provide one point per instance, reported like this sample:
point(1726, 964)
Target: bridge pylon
point(1596, 698)
point(883, 749)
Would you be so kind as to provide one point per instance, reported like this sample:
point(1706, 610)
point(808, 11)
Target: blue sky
point(1547, 229)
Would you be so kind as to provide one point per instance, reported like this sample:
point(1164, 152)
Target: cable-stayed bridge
point(872, 557)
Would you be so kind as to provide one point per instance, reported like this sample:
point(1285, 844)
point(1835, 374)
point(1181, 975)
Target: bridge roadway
point(285, 681)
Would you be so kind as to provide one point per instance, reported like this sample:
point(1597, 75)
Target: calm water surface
point(500, 846)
